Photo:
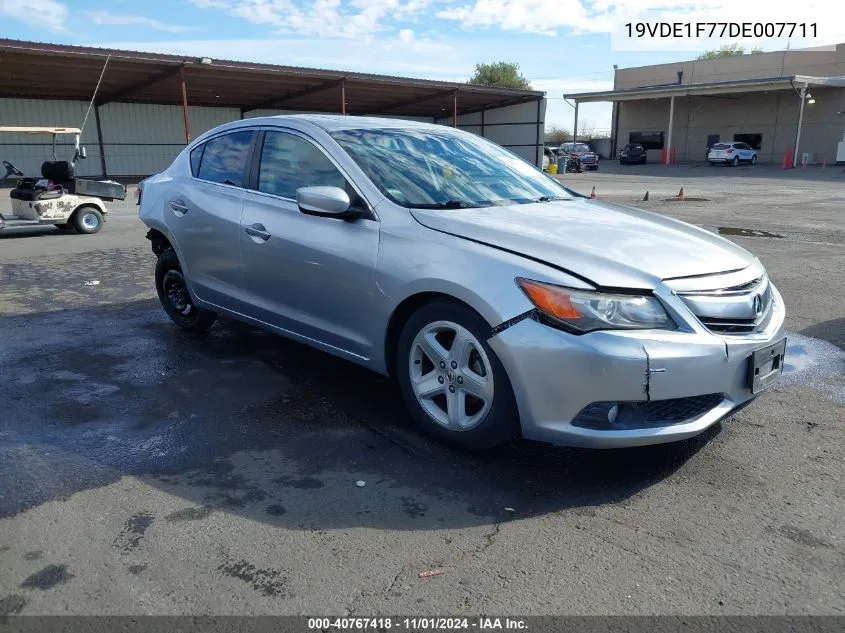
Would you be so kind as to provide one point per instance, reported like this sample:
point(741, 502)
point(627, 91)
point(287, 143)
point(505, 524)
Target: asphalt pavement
point(147, 471)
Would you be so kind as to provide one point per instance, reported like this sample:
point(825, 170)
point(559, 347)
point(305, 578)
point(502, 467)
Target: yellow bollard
point(553, 168)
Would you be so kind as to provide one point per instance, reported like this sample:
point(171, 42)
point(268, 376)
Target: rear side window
point(224, 159)
point(196, 157)
point(289, 162)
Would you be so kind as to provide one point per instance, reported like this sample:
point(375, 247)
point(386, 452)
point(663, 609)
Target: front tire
point(453, 383)
point(754, 159)
point(88, 220)
point(175, 297)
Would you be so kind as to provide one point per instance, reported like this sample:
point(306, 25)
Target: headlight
point(585, 311)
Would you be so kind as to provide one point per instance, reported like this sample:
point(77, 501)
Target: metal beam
point(803, 97)
point(538, 159)
point(455, 109)
point(343, 96)
point(671, 123)
point(269, 103)
point(100, 141)
point(139, 85)
point(185, 106)
point(415, 100)
point(503, 104)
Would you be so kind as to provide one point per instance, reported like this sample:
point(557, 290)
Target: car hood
point(612, 246)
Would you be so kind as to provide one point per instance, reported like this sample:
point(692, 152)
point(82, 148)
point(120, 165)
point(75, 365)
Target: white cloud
point(45, 14)
point(345, 19)
point(106, 18)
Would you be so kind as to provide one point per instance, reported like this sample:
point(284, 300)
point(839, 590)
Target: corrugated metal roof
point(713, 87)
point(59, 71)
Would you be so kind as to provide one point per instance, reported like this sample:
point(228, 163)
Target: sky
point(561, 46)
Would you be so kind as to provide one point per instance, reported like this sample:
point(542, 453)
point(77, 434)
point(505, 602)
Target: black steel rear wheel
point(176, 298)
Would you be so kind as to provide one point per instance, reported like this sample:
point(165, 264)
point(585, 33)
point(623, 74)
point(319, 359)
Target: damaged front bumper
point(665, 385)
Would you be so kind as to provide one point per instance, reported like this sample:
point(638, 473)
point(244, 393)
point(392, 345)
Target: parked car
point(732, 154)
point(632, 153)
point(501, 304)
point(589, 159)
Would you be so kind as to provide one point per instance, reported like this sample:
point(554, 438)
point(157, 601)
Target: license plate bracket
point(766, 366)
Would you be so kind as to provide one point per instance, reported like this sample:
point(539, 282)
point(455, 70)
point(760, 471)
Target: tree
point(729, 50)
point(500, 75)
point(555, 134)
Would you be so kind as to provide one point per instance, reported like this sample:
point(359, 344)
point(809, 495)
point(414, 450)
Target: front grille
point(733, 310)
point(641, 415)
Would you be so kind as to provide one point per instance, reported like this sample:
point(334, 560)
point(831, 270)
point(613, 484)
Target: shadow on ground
point(241, 421)
point(832, 331)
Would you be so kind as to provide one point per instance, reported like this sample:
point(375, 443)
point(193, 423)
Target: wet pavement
point(145, 470)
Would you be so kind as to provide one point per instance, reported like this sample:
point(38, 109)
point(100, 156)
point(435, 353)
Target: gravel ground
point(145, 471)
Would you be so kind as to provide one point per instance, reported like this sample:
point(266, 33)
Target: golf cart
point(58, 197)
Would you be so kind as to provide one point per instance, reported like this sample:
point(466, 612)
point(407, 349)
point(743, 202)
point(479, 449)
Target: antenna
point(93, 97)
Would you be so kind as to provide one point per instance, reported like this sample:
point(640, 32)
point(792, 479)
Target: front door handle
point(178, 207)
point(257, 230)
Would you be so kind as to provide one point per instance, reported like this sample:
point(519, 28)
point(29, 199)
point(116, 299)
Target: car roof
point(335, 122)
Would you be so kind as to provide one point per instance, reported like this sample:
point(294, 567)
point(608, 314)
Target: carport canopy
point(52, 71)
point(798, 83)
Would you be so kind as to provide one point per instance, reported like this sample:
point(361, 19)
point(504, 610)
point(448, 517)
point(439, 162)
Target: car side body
point(350, 285)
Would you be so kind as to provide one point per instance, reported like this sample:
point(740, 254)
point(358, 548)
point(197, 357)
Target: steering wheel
point(11, 170)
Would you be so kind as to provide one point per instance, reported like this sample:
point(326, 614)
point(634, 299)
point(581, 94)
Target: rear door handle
point(178, 206)
point(257, 230)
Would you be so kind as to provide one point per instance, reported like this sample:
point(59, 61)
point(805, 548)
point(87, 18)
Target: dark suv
point(632, 153)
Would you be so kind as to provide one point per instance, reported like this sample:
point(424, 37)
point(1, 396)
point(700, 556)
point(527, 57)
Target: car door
point(205, 216)
point(313, 276)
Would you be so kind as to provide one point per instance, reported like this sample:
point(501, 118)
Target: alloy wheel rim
point(176, 291)
point(451, 375)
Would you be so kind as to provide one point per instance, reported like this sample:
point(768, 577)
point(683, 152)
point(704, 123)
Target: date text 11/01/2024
point(722, 29)
point(415, 624)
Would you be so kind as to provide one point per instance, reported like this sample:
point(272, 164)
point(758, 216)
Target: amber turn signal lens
point(552, 300)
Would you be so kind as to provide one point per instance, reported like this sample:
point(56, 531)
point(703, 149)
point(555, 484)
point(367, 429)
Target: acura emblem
point(758, 305)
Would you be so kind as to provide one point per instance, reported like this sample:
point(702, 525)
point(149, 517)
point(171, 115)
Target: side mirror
point(325, 202)
point(82, 152)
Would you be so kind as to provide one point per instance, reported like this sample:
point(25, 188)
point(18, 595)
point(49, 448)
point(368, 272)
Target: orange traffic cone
point(681, 193)
point(593, 193)
point(645, 197)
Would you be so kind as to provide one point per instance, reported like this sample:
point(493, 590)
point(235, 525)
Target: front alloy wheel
point(451, 375)
point(452, 382)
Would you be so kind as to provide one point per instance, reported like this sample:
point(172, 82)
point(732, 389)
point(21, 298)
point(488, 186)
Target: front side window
point(224, 158)
point(289, 162)
point(433, 169)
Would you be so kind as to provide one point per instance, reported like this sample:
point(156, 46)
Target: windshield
point(577, 147)
point(432, 169)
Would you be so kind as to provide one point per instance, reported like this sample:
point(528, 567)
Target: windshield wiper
point(548, 199)
point(448, 204)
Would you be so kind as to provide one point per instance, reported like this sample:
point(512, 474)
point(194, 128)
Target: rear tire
point(175, 297)
point(454, 385)
point(87, 220)
point(735, 161)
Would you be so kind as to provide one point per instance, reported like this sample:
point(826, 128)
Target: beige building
point(756, 98)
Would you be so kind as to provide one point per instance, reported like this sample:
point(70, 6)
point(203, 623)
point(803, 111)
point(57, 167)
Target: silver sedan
point(502, 303)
